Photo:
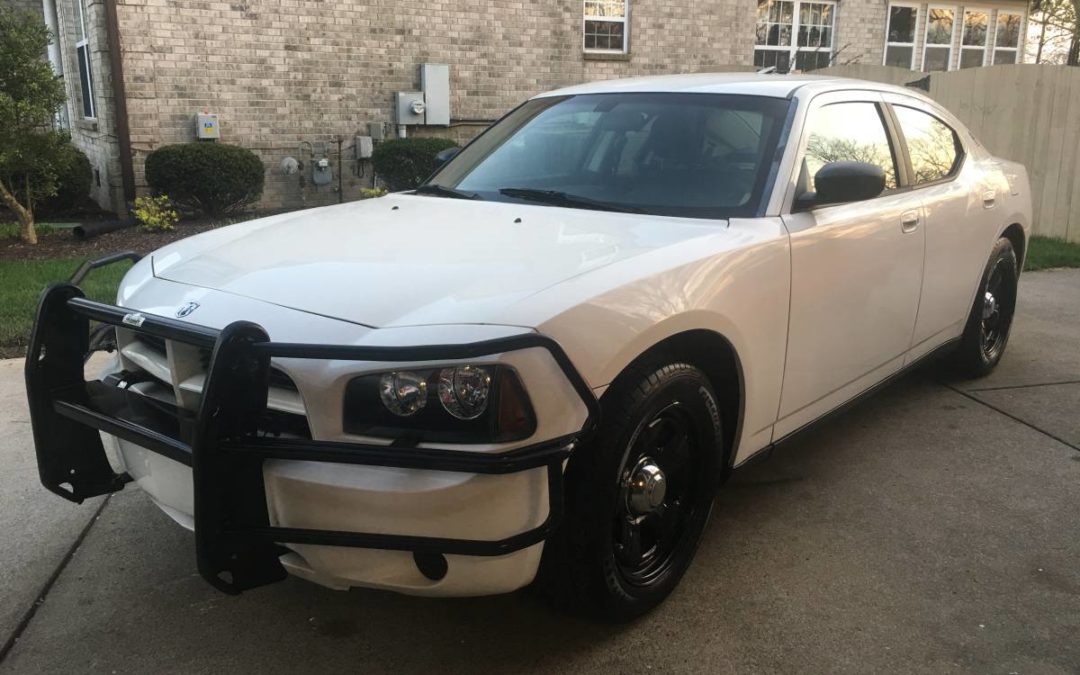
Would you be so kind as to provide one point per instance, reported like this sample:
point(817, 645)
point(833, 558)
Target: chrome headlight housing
point(453, 404)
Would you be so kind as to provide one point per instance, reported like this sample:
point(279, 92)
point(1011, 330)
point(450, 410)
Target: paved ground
point(932, 528)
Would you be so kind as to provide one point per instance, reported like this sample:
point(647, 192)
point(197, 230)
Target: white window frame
point(1018, 50)
point(963, 31)
point(952, 36)
point(918, 7)
point(85, 69)
point(793, 49)
point(624, 20)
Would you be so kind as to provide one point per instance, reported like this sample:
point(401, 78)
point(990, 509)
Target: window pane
point(1004, 56)
point(939, 27)
point(608, 8)
point(902, 24)
point(765, 58)
point(849, 132)
point(80, 21)
point(1008, 30)
point(812, 60)
point(972, 57)
point(86, 82)
point(898, 56)
point(606, 35)
point(932, 144)
point(975, 28)
point(937, 58)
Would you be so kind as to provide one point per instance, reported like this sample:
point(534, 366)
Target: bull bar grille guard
point(236, 547)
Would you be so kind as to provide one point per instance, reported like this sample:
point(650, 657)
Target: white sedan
point(542, 364)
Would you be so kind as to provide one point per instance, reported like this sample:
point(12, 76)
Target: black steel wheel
point(638, 494)
point(987, 331)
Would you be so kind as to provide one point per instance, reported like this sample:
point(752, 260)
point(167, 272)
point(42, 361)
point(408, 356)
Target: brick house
point(287, 78)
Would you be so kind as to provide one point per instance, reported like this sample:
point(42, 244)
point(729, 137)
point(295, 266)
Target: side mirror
point(444, 156)
point(839, 182)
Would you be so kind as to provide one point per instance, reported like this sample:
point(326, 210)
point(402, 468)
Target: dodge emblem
point(186, 310)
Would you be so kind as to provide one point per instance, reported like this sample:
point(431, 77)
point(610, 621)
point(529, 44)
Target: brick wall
point(23, 5)
point(95, 136)
point(283, 72)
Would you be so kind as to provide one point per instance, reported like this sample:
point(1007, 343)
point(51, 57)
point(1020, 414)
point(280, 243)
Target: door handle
point(909, 221)
point(989, 199)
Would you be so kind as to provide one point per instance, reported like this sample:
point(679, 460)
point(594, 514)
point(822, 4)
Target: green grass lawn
point(21, 283)
point(1044, 253)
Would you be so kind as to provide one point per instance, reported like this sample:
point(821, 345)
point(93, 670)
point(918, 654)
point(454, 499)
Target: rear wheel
point(987, 331)
point(638, 495)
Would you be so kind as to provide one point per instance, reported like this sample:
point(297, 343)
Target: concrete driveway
point(932, 528)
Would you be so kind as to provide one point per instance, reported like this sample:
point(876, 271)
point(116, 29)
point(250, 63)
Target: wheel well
point(1015, 234)
point(714, 355)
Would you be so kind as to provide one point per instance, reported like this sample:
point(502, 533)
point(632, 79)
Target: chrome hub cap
point(990, 306)
point(646, 488)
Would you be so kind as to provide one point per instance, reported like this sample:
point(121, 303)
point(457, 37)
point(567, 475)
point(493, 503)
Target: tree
point(1057, 25)
point(31, 152)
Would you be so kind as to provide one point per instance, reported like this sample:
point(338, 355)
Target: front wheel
point(638, 495)
point(987, 331)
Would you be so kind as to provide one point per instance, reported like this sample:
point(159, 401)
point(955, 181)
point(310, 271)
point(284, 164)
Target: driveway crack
point(28, 616)
point(1026, 386)
point(1011, 416)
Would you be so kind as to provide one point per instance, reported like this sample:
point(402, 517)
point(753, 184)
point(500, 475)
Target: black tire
point(986, 333)
point(595, 564)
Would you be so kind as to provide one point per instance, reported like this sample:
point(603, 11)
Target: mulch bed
point(62, 244)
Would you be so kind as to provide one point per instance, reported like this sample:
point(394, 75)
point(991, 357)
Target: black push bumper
point(236, 547)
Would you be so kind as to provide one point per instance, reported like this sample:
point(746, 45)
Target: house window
point(1007, 41)
point(937, 50)
point(900, 36)
point(794, 34)
point(82, 51)
point(973, 39)
point(606, 26)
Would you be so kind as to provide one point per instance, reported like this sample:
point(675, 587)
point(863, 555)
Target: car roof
point(752, 84)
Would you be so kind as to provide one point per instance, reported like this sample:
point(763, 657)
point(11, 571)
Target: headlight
point(456, 404)
point(403, 393)
point(464, 391)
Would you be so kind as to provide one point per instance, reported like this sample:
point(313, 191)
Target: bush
point(156, 214)
point(403, 163)
point(73, 178)
point(210, 178)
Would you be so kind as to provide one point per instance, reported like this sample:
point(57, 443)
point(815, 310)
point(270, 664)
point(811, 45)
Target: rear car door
point(956, 205)
point(856, 268)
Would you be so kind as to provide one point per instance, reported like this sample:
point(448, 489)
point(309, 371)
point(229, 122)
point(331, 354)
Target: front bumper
point(237, 548)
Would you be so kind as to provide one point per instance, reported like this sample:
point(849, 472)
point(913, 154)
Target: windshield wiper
point(443, 191)
point(557, 198)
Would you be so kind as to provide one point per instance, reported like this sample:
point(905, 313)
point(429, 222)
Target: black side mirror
point(839, 182)
point(444, 156)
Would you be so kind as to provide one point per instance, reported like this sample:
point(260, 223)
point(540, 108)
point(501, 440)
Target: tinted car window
point(693, 155)
point(851, 132)
point(933, 145)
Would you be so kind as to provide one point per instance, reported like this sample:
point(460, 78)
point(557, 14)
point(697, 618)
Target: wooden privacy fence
point(1026, 113)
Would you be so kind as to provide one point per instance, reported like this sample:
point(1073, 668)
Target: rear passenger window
point(934, 147)
point(848, 132)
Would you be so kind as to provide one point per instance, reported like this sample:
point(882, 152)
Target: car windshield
point(688, 155)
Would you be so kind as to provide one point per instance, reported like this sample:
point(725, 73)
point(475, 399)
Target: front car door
point(856, 268)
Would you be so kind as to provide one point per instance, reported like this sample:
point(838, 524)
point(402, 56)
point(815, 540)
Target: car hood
point(413, 260)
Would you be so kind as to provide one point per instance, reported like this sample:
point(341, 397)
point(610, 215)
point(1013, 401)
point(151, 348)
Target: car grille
point(174, 373)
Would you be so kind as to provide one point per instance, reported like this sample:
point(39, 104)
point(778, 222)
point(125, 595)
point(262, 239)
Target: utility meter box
point(364, 147)
point(206, 126)
point(435, 83)
point(410, 107)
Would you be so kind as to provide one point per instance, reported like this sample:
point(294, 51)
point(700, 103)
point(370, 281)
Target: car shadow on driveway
point(919, 531)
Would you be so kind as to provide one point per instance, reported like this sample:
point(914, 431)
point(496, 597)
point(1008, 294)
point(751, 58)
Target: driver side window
point(851, 132)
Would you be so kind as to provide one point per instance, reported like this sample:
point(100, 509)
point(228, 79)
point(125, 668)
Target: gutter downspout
point(123, 130)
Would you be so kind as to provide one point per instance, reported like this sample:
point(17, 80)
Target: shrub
point(73, 178)
point(210, 178)
point(156, 214)
point(372, 193)
point(403, 163)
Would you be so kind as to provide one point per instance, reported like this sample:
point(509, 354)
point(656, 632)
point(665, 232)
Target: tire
point(986, 333)
point(618, 553)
